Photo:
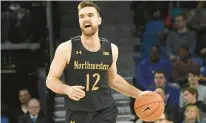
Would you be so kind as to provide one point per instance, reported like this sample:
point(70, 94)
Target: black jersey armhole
point(110, 48)
point(70, 54)
point(111, 55)
point(72, 48)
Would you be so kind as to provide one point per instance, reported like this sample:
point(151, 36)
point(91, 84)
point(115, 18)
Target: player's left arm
point(116, 82)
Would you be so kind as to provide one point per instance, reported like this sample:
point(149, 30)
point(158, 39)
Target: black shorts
point(107, 115)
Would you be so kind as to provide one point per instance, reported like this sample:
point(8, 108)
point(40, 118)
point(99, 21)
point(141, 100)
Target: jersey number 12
point(94, 87)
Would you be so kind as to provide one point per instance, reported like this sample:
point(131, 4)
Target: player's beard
point(89, 32)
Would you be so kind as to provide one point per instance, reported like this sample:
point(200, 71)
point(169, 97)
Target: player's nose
point(86, 19)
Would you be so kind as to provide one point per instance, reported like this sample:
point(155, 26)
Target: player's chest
point(101, 60)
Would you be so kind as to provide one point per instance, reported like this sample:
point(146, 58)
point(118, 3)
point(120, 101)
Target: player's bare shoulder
point(114, 47)
point(114, 51)
point(64, 50)
point(65, 46)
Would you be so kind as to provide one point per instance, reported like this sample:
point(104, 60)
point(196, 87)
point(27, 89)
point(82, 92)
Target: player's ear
point(100, 21)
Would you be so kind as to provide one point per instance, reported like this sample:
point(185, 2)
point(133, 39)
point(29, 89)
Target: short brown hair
point(192, 91)
point(88, 4)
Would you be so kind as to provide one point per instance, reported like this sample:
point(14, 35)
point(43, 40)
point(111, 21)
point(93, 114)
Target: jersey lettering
point(87, 65)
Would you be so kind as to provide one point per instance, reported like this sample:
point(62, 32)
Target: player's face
point(89, 20)
point(160, 80)
point(193, 80)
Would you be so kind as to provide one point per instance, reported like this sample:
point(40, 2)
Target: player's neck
point(91, 39)
point(91, 42)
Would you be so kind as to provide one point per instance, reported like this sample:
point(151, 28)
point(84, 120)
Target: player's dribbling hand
point(75, 92)
point(144, 92)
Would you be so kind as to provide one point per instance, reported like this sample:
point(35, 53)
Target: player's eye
point(90, 15)
point(81, 16)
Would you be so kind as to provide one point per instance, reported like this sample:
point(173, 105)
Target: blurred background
point(164, 36)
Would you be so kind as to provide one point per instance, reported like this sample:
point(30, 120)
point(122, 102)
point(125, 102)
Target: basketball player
point(90, 62)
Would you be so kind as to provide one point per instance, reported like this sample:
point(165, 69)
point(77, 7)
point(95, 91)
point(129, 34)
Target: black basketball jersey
point(90, 69)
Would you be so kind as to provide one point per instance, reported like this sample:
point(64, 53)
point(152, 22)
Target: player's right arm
point(61, 59)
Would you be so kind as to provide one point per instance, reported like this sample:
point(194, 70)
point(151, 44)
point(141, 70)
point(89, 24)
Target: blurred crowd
point(173, 62)
point(16, 24)
point(29, 110)
point(20, 22)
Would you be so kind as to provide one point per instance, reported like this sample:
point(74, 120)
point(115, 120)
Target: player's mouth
point(87, 25)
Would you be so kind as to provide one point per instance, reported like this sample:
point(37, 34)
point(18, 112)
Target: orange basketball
point(149, 106)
